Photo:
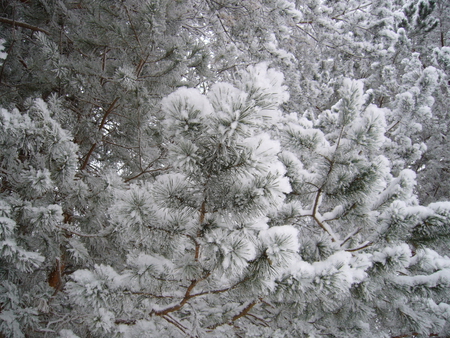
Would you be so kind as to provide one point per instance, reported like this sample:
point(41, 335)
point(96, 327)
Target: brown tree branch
point(241, 314)
point(264, 323)
point(108, 111)
point(220, 290)
point(175, 323)
point(146, 171)
point(151, 295)
point(360, 248)
point(349, 237)
point(23, 25)
point(86, 160)
point(185, 299)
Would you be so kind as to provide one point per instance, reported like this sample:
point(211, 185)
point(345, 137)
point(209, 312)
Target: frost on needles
point(223, 169)
point(255, 214)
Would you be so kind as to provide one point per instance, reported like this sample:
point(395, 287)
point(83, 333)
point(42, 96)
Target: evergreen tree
point(223, 169)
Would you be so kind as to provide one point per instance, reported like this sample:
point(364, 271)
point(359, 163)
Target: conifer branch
point(140, 66)
point(392, 126)
point(146, 171)
point(245, 311)
point(152, 295)
point(125, 321)
point(23, 25)
point(221, 290)
point(322, 225)
point(360, 248)
point(318, 221)
point(267, 303)
point(344, 214)
point(227, 33)
point(316, 202)
point(175, 323)
point(186, 298)
point(350, 236)
point(199, 231)
point(345, 12)
point(133, 27)
point(319, 191)
point(108, 111)
point(264, 323)
point(86, 160)
point(241, 314)
point(106, 232)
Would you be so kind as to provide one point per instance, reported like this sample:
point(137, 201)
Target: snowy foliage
point(219, 169)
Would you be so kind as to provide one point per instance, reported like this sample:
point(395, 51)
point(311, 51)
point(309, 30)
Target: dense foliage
point(221, 168)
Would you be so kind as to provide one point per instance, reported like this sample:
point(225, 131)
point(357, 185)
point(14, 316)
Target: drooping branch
point(324, 227)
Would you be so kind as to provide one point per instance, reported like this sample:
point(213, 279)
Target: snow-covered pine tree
point(226, 209)
point(38, 163)
point(245, 260)
point(359, 226)
point(198, 253)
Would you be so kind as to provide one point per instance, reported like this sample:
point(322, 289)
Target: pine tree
point(158, 178)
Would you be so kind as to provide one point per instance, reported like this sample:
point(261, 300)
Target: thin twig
point(220, 290)
point(241, 314)
point(360, 248)
point(175, 323)
point(104, 234)
point(152, 295)
point(133, 28)
point(146, 171)
point(350, 236)
point(260, 319)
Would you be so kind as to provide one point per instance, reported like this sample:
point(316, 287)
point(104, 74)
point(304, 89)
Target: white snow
point(3, 55)
point(143, 261)
point(67, 334)
point(441, 277)
point(281, 242)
